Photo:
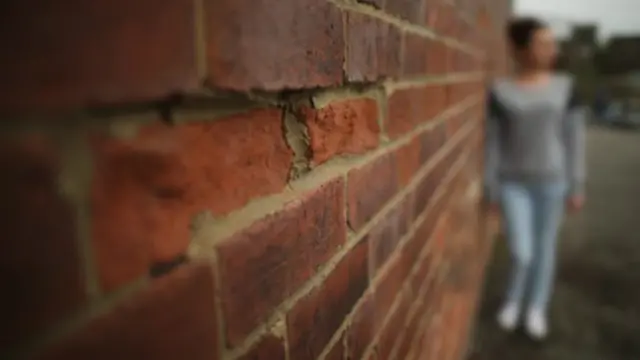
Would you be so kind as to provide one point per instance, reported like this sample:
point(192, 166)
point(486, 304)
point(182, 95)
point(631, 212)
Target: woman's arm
point(491, 149)
point(574, 139)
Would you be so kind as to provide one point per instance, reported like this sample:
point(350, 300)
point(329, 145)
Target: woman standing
point(535, 164)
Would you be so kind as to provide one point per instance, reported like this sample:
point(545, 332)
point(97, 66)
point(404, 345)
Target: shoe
point(536, 324)
point(508, 316)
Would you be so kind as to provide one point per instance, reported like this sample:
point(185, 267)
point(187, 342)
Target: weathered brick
point(365, 197)
point(264, 264)
point(269, 347)
point(316, 317)
point(416, 49)
point(147, 189)
point(410, 10)
point(386, 235)
point(373, 48)
point(107, 52)
point(285, 44)
point(362, 330)
point(39, 266)
point(174, 318)
point(342, 127)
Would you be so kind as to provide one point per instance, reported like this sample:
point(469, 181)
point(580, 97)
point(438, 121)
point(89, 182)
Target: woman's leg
point(517, 217)
point(548, 212)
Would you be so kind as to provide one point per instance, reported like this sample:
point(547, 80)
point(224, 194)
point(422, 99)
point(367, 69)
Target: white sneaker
point(508, 316)
point(536, 324)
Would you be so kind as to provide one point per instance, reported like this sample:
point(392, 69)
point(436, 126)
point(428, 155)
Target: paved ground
point(596, 308)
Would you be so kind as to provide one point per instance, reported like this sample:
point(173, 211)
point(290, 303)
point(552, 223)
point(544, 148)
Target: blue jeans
point(532, 214)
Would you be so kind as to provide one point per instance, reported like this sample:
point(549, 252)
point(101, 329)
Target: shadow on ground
point(595, 314)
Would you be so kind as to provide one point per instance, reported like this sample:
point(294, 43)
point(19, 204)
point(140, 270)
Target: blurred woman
point(534, 168)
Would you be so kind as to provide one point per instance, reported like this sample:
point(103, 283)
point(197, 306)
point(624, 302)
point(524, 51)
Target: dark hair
point(521, 30)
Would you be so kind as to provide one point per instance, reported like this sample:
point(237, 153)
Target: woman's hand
point(575, 203)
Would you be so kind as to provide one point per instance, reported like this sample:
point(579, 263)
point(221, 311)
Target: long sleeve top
point(534, 134)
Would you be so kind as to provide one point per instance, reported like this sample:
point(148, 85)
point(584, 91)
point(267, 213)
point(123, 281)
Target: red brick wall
point(240, 179)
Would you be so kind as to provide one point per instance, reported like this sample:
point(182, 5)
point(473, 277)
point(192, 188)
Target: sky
point(613, 16)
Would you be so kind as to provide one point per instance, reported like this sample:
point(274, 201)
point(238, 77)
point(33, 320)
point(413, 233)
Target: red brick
point(373, 48)
point(410, 107)
point(83, 53)
point(446, 22)
point(437, 58)
point(426, 189)
point(388, 288)
point(285, 44)
point(405, 108)
point(431, 141)
point(174, 318)
point(369, 188)
point(410, 10)
point(269, 347)
point(362, 328)
point(416, 50)
point(316, 317)
point(342, 127)
point(264, 264)
point(39, 265)
point(394, 328)
point(409, 160)
point(146, 190)
point(386, 235)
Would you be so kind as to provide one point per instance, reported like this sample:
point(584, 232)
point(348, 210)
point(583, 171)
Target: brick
point(107, 52)
point(415, 57)
point(269, 347)
point(147, 189)
point(410, 10)
point(425, 190)
point(409, 160)
point(285, 44)
point(386, 234)
point(394, 328)
point(337, 351)
point(431, 141)
point(151, 324)
point(40, 262)
point(405, 109)
point(388, 288)
point(362, 329)
point(366, 197)
point(342, 127)
point(316, 317)
point(408, 108)
point(373, 48)
point(265, 263)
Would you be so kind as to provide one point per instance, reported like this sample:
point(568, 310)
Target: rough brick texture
point(242, 179)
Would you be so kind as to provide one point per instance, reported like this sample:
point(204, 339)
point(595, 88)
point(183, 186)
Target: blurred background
point(600, 45)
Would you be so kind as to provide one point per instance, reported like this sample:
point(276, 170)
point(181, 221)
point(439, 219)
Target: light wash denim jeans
point(532, 215)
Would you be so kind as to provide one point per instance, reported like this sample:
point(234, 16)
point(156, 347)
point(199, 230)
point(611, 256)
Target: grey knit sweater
point(534, 134)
